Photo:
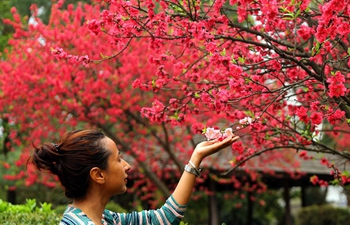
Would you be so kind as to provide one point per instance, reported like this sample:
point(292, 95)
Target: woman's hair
point(72, 158)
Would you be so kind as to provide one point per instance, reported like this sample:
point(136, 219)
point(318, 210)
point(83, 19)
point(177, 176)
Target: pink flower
point(136, 83)
point(305, 32)
point(343, 29)
point(336, 90)
point(223, 95)
point(337, 77)
point(315, 105)
point(337, 115)
point(303, 154)
point(6, 165)
point(302, 114)
point(316, 118)
point(94, 26)
point(205, 97)
point(84, 60)
point(324, 161)
point(212, 133)
point(314, 180)
point(211, 46)
point(246, 121)
point(336, 85)
point(228, 132)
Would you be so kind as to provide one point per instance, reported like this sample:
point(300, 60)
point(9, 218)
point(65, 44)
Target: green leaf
point(223, 52)
point(31, 204)
point(249, 113)
point(233, 59)
point(345, 173)
point(316, 48)
point(241, 59)
point(334, 182)
point(45, 207)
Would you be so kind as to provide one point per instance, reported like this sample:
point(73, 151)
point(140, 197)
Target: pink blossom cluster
point(336, 85)
point(246, 121)
point(212, 133)
point(59, 53)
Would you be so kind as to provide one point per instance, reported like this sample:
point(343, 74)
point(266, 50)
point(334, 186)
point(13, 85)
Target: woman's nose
point(126, 165)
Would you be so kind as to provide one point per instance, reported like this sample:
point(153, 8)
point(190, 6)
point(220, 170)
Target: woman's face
point(116, 172)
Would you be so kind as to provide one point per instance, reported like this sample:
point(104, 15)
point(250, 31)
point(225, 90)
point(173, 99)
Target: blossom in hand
point(228, 132)
point(215, 133)
point(212, 133)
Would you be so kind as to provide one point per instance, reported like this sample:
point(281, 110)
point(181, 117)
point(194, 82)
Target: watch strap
point(192, 170)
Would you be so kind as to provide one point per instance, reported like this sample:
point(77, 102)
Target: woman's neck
point(92, 206)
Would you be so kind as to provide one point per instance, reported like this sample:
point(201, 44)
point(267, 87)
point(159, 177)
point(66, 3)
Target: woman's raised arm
point(183, 191)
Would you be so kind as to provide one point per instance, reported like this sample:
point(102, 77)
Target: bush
point(323, 215)
point(28, 214)
point(60, 209)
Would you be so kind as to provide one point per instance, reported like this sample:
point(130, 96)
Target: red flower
point(316, 118)
point(314, 179)
point(302, 114)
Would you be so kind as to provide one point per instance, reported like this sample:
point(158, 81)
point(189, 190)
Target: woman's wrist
point(196, 160)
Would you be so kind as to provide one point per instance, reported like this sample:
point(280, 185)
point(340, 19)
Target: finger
point(230, 140)
point(235, 138)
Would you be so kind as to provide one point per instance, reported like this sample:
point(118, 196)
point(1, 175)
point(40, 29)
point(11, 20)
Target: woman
point(91, 170)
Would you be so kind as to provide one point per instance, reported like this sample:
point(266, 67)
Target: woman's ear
point(97, 175)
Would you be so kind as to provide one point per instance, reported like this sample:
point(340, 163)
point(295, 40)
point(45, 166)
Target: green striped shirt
point(170, 213)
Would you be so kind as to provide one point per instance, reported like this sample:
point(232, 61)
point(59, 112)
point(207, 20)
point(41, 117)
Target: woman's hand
point(207, 148)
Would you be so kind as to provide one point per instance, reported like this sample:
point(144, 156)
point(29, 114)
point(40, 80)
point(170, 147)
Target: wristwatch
point(192, 170)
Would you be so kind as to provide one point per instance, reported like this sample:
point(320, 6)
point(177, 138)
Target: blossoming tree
point(275, 72)
point(283, 64)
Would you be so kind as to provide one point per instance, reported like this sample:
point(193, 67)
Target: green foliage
point(5, 30)
point(28, 213)
point(323, 215)
point(60, 209)
point(197, 211)
point(315, 196)
point(23, 7)
point(234, 210)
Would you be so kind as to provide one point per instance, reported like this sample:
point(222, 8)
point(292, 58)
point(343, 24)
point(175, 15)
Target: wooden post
point(11, 195)
point(286, 196)
point(213, 205)
point(303, 196)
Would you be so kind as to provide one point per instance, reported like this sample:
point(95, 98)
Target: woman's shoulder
point(110, 217)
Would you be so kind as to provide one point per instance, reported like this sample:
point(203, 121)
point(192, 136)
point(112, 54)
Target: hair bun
point(46, 157)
